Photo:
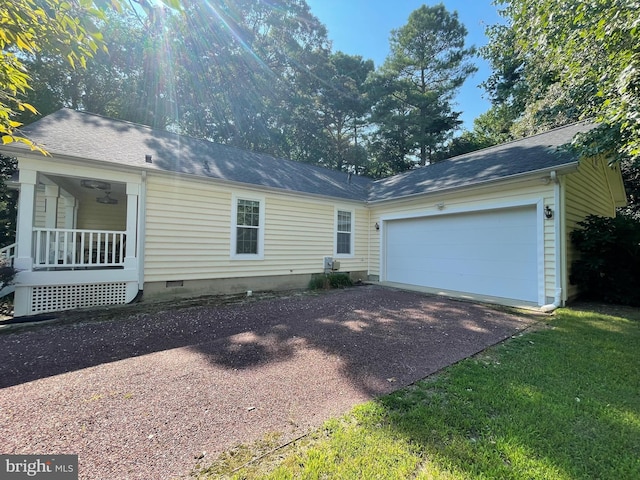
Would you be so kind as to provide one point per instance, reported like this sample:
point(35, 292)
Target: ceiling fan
point(107, 200)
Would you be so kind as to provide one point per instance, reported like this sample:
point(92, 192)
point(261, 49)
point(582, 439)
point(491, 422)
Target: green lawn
point(561, 402)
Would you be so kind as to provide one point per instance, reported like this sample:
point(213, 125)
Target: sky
point(363, 27)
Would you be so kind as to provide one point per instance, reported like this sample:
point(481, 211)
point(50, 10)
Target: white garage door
point(488, 253)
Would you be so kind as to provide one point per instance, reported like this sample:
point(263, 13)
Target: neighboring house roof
point(84, 135)
point(531, 154)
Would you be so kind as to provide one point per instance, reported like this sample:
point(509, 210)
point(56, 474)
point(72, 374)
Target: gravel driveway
point(143, 396)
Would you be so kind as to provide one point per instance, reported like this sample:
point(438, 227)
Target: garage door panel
point(490, 253)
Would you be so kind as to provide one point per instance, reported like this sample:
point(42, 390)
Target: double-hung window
point(248, 228)
point(344, 233)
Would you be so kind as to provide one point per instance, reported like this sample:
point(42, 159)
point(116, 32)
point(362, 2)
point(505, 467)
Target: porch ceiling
point(73, 185)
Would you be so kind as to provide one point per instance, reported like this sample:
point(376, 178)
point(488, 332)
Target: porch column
point(51, 194)
point(24, 224)
point(133, 194)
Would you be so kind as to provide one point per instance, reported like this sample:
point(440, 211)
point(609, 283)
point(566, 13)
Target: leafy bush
point(7, 274)
point(318, 282)
point(609, 264)
point(340, 280)
point(330, 280)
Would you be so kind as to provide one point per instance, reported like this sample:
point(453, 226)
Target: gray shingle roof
point(538, 152)
point(88, 136)
point(83, 135)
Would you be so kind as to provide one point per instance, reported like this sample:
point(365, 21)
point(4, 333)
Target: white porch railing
point(71, 248)
point(8, 254)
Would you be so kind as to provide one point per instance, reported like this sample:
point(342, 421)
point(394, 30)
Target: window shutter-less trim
point(247, 229)
point(344, 233)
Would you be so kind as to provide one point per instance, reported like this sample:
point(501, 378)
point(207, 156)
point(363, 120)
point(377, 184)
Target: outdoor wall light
point(548, 213)
point(377, 226)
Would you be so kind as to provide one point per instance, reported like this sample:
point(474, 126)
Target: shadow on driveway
point(382, 336)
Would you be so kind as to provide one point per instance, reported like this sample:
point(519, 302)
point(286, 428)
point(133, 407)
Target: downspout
point(369, 244)
point(558, 236)
point(142, 217)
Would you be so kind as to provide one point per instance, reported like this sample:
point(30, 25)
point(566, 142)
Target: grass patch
point(557, 403)
point(236, 458)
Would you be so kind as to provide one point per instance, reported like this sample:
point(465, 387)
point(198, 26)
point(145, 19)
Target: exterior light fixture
point(377, 226)
point(548, 213)
point(97, 184)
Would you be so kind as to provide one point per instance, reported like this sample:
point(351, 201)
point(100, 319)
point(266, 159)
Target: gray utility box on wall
point(331, 265)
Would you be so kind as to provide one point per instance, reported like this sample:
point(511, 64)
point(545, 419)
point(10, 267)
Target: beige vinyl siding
point(39, 216)
point(62, 213)
point(188, 232)
point(488, 197)
point(363, 229)
point(549, 252)
point(40, 213)
point(96, 216)
point(586, 192)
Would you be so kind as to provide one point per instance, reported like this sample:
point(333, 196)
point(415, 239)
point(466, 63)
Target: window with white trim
point(344, 233)
point(247, 237)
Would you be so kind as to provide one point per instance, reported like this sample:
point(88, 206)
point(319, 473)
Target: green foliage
point(26, 26)
point(414, 89)
point(340, 280)
point(8, 216)
point(631, 175)
point(261, 77)
point(342, 104)
point(116, 84)
point(7, 273)
point(68, 30)
point(318, 282)
point(247, 74)
point(490, 128)
point(555, 62)
point(330, 280)
point(7, 276)
point(609, 265)
point(8, 201)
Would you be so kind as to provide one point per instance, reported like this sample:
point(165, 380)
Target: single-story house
point(120, 211)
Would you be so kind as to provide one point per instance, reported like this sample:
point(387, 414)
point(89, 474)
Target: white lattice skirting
point(56, 298)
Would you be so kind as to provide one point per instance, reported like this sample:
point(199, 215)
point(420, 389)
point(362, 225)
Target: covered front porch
point(76, 237)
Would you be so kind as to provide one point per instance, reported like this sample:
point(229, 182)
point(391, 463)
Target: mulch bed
point(150, 395)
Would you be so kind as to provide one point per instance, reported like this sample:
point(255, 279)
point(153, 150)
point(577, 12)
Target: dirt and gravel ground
point(144, 395)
